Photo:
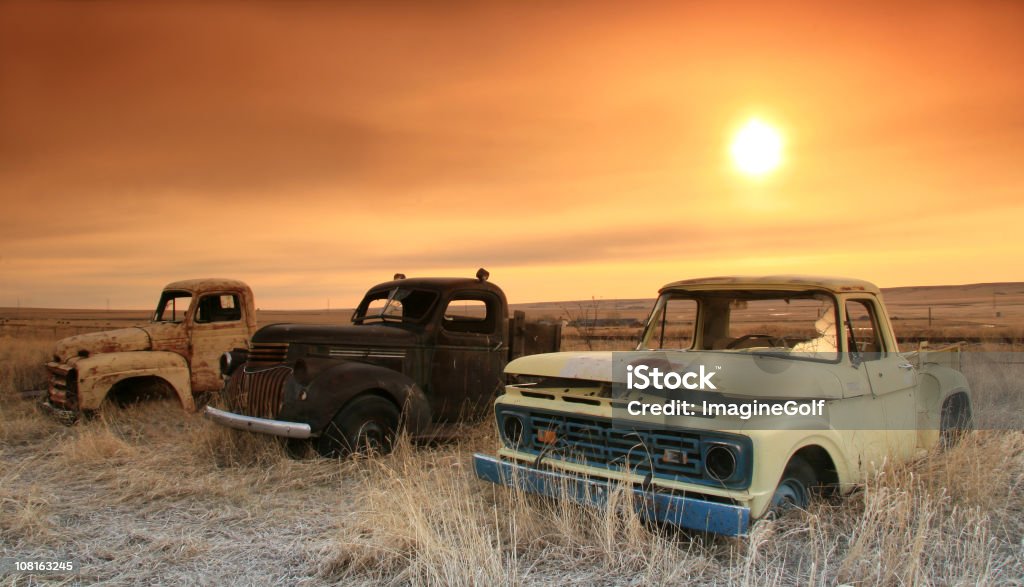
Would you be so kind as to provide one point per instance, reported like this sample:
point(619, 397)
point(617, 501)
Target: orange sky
point(576, 150)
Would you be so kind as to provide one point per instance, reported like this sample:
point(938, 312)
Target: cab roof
point(207, 284)
point(441, 284)
point(782, 282)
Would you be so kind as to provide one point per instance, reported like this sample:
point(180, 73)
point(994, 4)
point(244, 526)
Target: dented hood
point(735, 373)
point(108, 341)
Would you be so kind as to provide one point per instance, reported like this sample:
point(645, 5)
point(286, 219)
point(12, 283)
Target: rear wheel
point(795, 488)
point(956, 419)
point(367, 424)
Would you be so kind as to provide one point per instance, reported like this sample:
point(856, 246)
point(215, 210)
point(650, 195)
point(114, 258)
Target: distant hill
point(993, 305)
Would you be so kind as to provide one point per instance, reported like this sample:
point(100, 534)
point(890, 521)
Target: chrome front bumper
point(677, 510)
point(259, 425)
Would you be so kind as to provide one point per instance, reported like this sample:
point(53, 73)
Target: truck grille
point(63, 391)
point(257, 393)
point(597, 442)
point(265, 354)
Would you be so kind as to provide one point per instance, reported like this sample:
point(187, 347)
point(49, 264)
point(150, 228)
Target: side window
point(469, 315)
point(219, 308)
point(862, 328)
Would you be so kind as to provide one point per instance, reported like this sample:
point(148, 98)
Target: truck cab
point(462, 327)
point(176, 353)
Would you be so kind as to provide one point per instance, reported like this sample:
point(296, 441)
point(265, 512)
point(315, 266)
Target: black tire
point(956, 420)
point(366, 424)
point(795, 489)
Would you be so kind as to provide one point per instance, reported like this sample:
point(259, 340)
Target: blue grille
point(674, 454)
point(597, 443)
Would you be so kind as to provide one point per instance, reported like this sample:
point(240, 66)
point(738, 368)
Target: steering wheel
point(773, 341)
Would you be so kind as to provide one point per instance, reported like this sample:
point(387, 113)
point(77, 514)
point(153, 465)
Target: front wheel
point(367, 424)
point(794, 490)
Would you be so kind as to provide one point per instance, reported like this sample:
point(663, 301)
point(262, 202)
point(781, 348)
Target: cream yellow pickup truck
point(745, 396)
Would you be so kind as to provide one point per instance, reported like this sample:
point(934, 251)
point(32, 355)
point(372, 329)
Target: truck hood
point(739, 374)
point(364, 334)
point(108, 341)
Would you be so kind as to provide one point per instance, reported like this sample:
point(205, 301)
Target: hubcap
point(370, 437)
point(791, 493)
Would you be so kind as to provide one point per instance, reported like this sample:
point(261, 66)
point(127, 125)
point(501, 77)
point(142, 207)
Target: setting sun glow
point(757, 148)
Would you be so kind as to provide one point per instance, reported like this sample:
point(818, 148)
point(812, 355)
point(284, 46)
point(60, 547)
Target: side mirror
point(231, 360)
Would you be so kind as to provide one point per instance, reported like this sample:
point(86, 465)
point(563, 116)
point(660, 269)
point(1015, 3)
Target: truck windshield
point(173, 306)
point(394, 305)
point(798, 323)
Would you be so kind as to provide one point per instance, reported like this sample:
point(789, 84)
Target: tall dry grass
point(952, 518)
point(21, 369)
point(149, 494)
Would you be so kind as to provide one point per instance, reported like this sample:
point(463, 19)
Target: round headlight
point(227, 364)
point(720, 462)
point(512, 427)
point(232, 360)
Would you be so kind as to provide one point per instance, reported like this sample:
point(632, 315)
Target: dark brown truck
point(420, 353)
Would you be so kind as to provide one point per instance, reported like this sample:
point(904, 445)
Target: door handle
point(905, 366)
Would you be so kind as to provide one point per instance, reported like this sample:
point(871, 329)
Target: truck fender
point(334, 387)
point(829, 448)
point(951, 382)
point(937, 384)
point(811, 446)
point(99, 373)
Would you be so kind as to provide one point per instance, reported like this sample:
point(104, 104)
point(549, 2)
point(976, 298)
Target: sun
point(757, 148)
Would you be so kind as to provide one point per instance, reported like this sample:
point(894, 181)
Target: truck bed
point(948, 355)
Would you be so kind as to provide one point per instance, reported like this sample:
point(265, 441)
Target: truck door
point(468, 360)
point(217, 326)
point(888, 377)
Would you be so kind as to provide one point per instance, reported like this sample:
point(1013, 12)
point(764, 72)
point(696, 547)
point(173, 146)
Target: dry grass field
point(150, 494)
